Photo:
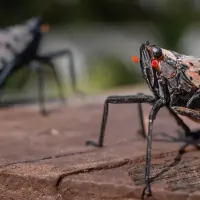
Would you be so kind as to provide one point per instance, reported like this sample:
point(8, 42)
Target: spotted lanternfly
point(174, 80)
point(20, 45)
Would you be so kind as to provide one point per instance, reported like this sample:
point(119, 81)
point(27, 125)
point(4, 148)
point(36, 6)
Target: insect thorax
point(180, 90)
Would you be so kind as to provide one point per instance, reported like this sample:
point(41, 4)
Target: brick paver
point(45, 158)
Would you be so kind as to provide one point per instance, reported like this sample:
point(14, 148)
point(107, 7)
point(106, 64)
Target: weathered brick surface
point(53, 162)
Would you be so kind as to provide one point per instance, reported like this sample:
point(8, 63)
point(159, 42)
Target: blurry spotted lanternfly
point(174, 80)
point(20, 45)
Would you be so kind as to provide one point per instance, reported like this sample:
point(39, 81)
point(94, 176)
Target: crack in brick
point(58, 182)
point(113, 165)
point(92, 169)
point(48, 158)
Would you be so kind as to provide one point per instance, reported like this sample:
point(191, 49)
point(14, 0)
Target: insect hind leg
point(35, 65)
point(193, 115)
point(195, 143)
point(193, 98)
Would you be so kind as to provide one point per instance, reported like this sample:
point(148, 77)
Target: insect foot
point(92, 143)
point(44, 112)
point(146, 192)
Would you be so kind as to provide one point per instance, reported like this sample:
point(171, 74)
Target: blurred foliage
point(170, 17)
point(172, 20)
point(108, 71)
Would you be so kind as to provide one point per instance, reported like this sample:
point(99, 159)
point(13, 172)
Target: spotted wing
point(13, 41)
point(171, 54)
point(191, 68)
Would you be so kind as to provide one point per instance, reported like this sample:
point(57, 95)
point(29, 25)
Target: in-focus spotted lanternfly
point(174, 80)
point(20, 45)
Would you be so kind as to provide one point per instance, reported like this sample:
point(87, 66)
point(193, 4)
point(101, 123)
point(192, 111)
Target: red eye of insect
point(154, 63)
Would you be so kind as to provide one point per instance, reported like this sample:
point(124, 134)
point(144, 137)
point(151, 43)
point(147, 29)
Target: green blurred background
point(103, 35)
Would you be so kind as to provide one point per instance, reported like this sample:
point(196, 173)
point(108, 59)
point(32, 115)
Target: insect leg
point(142, 131)
point(68, 53)
point(37, 67)
point(193, 114)
point(6, 72)
point(177, 118)
point(193, 98)
point(141, 117)
point(181, 152)
point(57, 79)
point(72, 71)
point(165, 94)
point(118, 100)
point(156, 107)
point(179, 121)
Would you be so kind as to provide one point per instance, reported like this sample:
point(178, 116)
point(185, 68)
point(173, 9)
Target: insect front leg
point(156, 107)
point(179, 121)
point(118, 100)
point(164, 93)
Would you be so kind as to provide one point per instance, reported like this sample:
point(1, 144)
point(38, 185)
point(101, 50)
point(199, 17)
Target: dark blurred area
point(104, 34)
point(170, 17)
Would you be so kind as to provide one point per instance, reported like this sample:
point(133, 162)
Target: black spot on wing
point(184, 67)
point(191, 63)
point(191, 78)
point(199, 72)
